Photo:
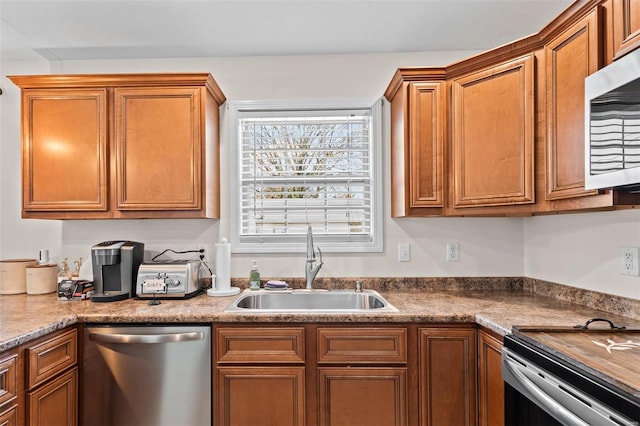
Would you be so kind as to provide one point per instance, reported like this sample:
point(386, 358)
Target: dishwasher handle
point(148, 339)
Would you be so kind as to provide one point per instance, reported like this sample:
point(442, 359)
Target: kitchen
point(556, 248)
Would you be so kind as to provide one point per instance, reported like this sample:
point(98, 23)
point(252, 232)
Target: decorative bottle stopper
point(64, 269)
point(76, 272)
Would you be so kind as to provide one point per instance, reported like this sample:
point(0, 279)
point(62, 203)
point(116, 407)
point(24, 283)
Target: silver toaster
point(178, 279)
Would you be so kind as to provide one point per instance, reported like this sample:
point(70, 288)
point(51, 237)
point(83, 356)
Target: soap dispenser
point(254, 276)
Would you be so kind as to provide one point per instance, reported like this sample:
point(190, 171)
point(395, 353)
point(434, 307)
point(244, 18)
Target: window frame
point(297, 243)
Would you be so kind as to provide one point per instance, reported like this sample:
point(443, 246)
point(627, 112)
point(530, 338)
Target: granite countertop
point(25, 317)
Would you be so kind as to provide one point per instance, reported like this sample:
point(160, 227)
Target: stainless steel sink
point(310, 300)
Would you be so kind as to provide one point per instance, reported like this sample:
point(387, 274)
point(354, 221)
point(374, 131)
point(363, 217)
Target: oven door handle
point(540, 397)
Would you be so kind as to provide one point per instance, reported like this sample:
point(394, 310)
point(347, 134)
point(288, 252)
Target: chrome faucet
point(310, 271)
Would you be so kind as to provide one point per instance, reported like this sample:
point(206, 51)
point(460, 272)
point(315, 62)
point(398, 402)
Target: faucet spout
point(310, 271)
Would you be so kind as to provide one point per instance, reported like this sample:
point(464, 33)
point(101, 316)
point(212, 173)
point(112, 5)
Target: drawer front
point(362, 345)
point(8, 379)
point(260, 345)
point(9, 417)
point(51, 357)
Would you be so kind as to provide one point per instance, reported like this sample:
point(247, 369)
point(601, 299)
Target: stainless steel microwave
point(612, 125)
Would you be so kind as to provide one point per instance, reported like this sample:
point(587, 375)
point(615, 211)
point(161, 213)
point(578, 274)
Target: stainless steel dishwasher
point(146, 375)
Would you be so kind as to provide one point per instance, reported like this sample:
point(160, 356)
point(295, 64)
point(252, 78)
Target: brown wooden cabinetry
point(64, 150)
point(260, 376)
point(490, 383)
point(625, 26)
point(120, 146)
point(418, 115)
point(55, 402)
point(447, 376)
point(492, 115)
point(356, 384)
point(10, 385)
point(362, 395)
point(52, 380)
point(267, 395)
point(9, 417)
point(337, 374)
point(570, 58)
point(39, 381)
point(513, 120)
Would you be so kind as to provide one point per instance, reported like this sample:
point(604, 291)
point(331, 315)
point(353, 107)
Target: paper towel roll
point(223, 265)
point(13, 277)
point(42, 279)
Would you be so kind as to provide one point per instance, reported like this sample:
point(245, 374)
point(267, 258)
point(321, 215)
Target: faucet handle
point(320, 253)
point(358, 286)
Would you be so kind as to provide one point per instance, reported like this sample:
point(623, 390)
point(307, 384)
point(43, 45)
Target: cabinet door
point(426, 144)
point(447, 376)
point(569, 58)
point(260, 395)
point(626, 26)
point(493, 135)
point(491, 385)
point(362, 396)
point(64, 150)
point(55, 402)
point(159, 148)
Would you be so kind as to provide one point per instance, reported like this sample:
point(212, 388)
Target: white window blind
point(300, 167)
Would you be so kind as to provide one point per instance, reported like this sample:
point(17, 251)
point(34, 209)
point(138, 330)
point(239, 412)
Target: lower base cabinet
point(39, 381)
point(261, 395)
point(332, 374)
point(55, 403)
point(362, 396)
point(9, 417)
point(447, 374)
point(490, 383)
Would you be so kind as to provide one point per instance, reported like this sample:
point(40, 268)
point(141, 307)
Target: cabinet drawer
point(362, 345)
point(50, 357)
point(260, 345)
point(9, 417)
point(8, 379)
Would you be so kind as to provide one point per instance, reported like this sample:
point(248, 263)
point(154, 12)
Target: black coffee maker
point(115, 269)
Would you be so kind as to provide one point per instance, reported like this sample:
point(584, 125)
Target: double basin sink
point(316, 300)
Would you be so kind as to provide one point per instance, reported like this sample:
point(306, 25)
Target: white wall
point(19, 238)
point(488, 246)
point(583, 250)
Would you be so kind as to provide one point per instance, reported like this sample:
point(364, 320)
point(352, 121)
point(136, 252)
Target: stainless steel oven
point(542, 388)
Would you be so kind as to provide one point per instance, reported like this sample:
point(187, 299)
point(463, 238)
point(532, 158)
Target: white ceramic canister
point(13, 276)
point(42, 279)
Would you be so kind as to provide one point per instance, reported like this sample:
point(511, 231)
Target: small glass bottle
point(254, 276)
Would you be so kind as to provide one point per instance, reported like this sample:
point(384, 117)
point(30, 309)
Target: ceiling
point(109, 29)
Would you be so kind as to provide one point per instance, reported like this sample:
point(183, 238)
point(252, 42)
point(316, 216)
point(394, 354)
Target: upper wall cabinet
point(502, 133)
point(120, 146)
point(492, 116)
point(569, 58)
point(65, 150)
point(417, 144)
point(626, 26)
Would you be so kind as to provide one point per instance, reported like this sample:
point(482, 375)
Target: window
point(305, 163)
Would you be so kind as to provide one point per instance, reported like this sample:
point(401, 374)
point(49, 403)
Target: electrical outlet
point(453, 252)
point(208, 252)
point(404, 252)
point(629, 260)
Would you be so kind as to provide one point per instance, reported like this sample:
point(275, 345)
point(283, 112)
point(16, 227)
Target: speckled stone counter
point(496, 304)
